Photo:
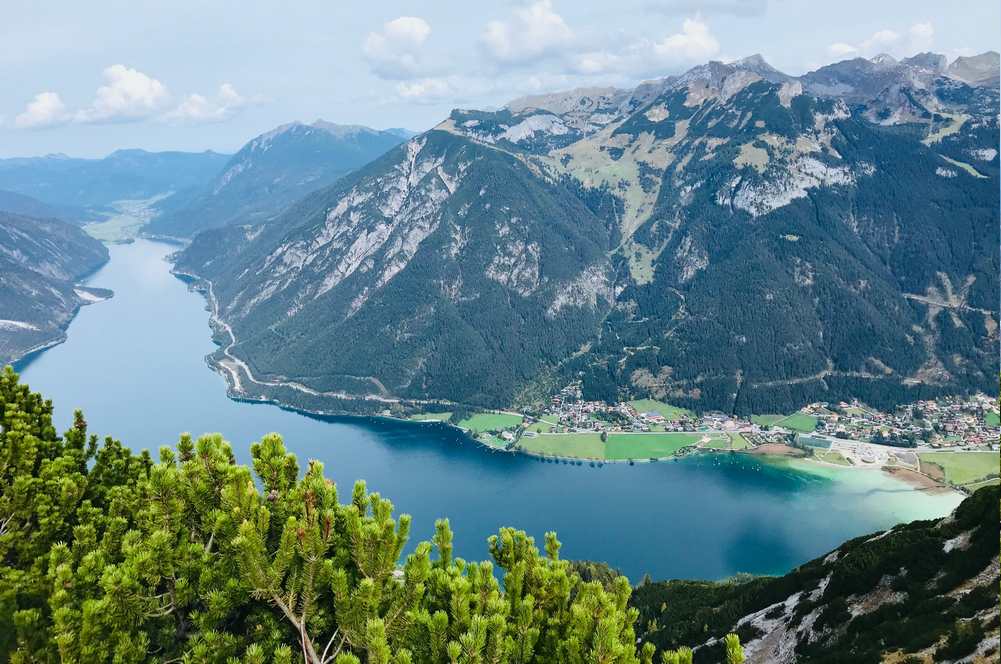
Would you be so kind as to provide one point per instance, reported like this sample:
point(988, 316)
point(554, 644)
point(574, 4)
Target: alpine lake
point(135, 365)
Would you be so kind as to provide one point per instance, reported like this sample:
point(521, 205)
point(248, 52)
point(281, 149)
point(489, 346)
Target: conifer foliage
point(109, 555)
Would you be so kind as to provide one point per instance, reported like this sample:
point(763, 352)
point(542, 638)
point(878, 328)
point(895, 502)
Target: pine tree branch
point(323, 658)
point(5, 523)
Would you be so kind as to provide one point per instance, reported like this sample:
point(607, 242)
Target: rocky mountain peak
point(933, 62)
point(884, 60)
point(757, 64)
point(577, 99)
point(980, 69)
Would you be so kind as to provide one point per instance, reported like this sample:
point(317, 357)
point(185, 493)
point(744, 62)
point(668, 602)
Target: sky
point(87, 78)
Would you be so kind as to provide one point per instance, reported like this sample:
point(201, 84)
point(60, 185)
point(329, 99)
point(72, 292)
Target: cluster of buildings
point(569, 413)
point(945, 422)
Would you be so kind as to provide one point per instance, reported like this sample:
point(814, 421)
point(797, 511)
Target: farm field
point(584, 445)
point(619, 446)
point(992, 419)
point(490, 422)
point(647, 445)
point(653, 406)
point(795, 422)
point(738, 442)
point(540, 427)
point(964, 467)
point(431, 417)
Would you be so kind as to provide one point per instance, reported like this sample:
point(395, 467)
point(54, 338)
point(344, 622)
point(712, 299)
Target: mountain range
point(92, 185)
point(272, 171)
point(731, 238)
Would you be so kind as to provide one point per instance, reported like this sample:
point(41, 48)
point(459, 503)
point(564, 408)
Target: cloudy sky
point(86, 78)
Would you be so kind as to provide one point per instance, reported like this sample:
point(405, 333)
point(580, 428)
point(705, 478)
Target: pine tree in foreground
point(110, 556)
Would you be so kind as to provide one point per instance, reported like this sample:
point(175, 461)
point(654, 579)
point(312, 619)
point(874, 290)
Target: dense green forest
point(721, 247)
point(108, 555)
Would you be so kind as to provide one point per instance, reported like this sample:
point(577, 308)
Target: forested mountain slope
point(272, 171)
point(40, 261)
point(446, 268)
point(732, 238)
point(11, 201)
point(927, 590)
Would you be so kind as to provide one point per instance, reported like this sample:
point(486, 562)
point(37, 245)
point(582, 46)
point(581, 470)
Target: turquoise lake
point(135, 365)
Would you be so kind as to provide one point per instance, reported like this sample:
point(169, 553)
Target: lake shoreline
point(94, 296)
point(235, 392)
point(137, 368)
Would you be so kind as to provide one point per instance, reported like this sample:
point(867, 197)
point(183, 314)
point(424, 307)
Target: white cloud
point(695, 43)
point(128, 95)
point(533, 31)
point(395, 51)
point(426, 90)
point(597, 62)
point(880, 41)
point(919, 37)
point(732, 7)
point(45, 110)
point(842, 50)
point(198, 109)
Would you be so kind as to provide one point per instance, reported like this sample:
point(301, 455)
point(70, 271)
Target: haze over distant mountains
point(94, 184)
point(272, 171)
point(729, 238)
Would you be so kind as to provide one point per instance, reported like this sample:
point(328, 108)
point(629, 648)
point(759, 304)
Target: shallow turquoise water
point(135, 365)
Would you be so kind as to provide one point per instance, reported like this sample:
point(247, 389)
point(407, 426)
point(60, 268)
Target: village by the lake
point(947, 442)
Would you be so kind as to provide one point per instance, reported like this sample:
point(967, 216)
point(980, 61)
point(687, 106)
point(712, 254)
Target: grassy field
point(125, 223)
point(795, 422)
point(832, 457)
point(431, 417)
point(992, 419)
point(619, 446)
point(964, 467)
point(490, 422)
point(669, 412)
point(738, 442)
point(647, 445)
point(492, 441)
point(540, 427)
point(585, 445)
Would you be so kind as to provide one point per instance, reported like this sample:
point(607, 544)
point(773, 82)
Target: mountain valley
point(272, 171)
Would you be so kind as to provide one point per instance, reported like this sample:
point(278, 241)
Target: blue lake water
point(135, 365)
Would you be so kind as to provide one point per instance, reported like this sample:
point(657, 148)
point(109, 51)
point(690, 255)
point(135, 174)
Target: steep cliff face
point(446, 268)
point(730, 238)
point(40, 261)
